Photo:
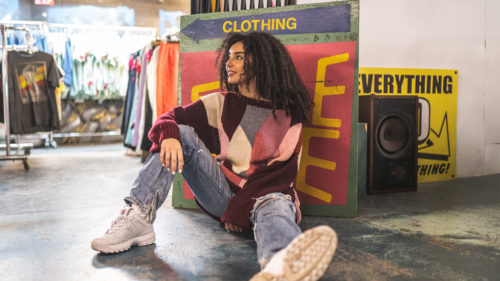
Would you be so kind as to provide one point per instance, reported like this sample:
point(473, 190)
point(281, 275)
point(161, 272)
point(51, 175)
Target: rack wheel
point(27, 151)
point(26, 164)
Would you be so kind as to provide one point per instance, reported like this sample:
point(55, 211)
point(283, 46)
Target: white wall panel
point(492, 80)
point(445, 34)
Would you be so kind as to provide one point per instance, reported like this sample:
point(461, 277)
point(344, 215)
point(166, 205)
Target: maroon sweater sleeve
point(194, 115)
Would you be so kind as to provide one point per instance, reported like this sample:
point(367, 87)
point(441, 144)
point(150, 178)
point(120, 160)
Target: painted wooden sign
point(323, 41)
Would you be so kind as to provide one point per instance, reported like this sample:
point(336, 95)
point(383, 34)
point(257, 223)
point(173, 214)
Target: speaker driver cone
point(393, 135)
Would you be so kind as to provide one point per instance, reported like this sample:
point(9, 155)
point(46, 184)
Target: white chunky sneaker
point(305, 258)
point(130, 228)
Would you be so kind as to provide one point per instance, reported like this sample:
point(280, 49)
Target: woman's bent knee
point(276, 202)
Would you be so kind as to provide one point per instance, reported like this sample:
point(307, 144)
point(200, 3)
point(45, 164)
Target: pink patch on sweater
point(224, 143)
point(268, 139)
point(288, 144)
point(232, 177)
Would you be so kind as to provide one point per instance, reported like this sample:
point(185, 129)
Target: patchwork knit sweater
point(257, 146)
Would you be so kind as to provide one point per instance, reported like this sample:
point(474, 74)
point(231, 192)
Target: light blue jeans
point(273, 215)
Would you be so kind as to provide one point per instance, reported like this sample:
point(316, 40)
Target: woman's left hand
point(230, 227)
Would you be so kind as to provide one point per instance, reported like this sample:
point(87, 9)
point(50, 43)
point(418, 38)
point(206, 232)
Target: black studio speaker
point(392, 142)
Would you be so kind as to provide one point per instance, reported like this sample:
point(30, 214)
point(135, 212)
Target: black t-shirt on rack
point(33, 79)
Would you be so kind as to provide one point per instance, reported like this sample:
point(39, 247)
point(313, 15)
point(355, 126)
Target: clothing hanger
point(172, 38)
point(157, 41)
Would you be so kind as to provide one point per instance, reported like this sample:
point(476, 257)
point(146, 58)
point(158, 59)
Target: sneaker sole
point(117, 248)
point(307, 256)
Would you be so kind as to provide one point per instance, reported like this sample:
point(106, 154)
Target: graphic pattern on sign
point(322, 41)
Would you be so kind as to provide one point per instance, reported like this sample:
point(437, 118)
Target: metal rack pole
point(5, 87)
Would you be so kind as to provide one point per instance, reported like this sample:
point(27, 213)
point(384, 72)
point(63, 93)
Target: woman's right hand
point(171, 155)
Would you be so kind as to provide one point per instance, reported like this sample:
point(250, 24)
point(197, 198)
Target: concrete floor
point(49, 215)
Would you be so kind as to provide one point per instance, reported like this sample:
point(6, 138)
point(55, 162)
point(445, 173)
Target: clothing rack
point(33, 25)
point(121, 30)
point(28, 26)
point(147, 31)
point(19, 147)
point(70, 28)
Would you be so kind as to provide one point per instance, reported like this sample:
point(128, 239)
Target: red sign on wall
point(324, 167)
point(44, 2)
point(322, 41)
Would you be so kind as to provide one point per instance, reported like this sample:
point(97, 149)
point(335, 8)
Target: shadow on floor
point(140, 263)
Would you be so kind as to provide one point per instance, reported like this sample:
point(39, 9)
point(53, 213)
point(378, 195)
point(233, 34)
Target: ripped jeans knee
point(151, 186)
point(263, 200)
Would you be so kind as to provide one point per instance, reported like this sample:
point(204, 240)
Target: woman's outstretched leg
point(134, 224)
point(283, 251)
point(151, 187)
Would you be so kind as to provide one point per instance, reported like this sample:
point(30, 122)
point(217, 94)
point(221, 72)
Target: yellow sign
point(260, 25)
point(437, 92)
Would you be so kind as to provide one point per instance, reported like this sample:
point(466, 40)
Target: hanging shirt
point(129, 98)
point(139, 119)
point(167, 76)
point(68, 62)
point(151, 80)
point(33, 79)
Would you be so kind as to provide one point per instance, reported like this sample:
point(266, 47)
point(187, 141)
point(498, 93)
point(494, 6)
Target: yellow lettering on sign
point(291, 23)
point(260, 24)
point(235, 29)
point(266, 25)
point(255, 22)
point(280, 24)
point(227, 29)
point(198, 89)
point(307, 160)
point(247, 27)
point(322, 90)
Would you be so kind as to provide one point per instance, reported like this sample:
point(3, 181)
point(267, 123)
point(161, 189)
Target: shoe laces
point(121, 221)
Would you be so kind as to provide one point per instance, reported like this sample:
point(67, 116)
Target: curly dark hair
point(276, 77)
